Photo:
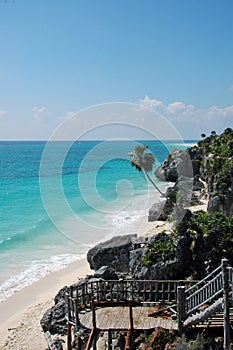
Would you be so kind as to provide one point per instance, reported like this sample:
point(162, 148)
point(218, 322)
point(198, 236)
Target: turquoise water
point(57, 201)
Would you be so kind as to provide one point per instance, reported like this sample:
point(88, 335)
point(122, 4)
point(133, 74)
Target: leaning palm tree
point(144, 162)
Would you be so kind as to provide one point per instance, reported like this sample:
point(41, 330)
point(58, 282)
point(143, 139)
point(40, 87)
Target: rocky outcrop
point(171, 268)
point(178, 163)
point(222, 202)
point(54, 319)
point(156, 211)
point(113, 253)
point(177, 198)
point(211, 161)
point(217, 170)
point(106, 273)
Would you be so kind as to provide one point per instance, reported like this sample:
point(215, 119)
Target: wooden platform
point(118, 318)
point(123, 304)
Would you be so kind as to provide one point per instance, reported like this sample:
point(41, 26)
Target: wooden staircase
point(208, 302)
point(193, 303)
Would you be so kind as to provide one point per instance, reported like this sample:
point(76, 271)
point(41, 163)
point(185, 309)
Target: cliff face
point(212, 162)
point(217, 170)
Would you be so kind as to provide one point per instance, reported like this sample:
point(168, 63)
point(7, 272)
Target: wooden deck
point(123, 305)
point(118, 318)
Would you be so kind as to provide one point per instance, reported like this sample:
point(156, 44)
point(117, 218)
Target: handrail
point(208, 292)
point(145, 291)
point(215, 290)
point(204, 279)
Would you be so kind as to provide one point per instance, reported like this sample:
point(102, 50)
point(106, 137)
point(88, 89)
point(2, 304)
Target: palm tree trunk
point(149, 178)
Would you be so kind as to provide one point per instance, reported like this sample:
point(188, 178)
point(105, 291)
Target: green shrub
point(162, 249)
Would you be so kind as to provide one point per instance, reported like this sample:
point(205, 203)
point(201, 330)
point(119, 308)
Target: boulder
point(196, 155)
point(54, 319)
point(177, 198)
point(106, 273)
point(177, 163)
point(155, 211)
point(113, 253)
point(221, 202)
point(170, 269)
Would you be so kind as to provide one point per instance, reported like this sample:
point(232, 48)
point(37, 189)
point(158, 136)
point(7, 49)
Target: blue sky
point(60, 56)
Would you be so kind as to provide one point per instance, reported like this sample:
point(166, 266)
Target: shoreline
point(133, 221)
point(20, 314)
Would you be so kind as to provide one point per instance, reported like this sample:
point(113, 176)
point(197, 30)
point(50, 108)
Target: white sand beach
point(20, 314)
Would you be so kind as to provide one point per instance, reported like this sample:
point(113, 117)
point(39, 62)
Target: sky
point(58, 57)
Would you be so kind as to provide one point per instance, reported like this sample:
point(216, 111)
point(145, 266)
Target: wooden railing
point(202, 300)
point(204, 292)
point(104, 293)
point(195, 301)
point(145, 291)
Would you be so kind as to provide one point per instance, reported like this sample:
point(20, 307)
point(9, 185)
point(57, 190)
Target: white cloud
point(175, 107)
point(216, 111)
point(150, 103)
point(190, 120)
point(2, 113)
point(39, 109)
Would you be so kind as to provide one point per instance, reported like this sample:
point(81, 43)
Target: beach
point(21, 313)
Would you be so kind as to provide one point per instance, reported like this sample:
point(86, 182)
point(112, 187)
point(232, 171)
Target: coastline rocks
point(174, 268)
point(221, 193)
point(113, 253)
point(106, 273)
point(198, 185)
point(196, 159)
point(156, 210)
point(54, 319)
point(177, 163)
point(221, 202)
point(177, 197)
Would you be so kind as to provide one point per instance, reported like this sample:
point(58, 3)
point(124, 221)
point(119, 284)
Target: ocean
point(59, 200)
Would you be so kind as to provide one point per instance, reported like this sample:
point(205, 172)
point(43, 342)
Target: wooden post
point(131, 315)
point(93, 313)
point(109, 339)
point(69, 337)
point(181, 307)
point(93, 322)
point(226, 313)
point(129, 336)
point(79, 342)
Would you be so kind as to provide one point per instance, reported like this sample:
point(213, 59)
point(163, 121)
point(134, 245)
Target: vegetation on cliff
point(162, 249)
point(219, 149)
point(208, 234)
point(210, 240)
point(216, 168)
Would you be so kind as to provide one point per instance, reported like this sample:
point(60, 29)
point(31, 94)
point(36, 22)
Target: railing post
point(181, 307)
point(93, 313)
point(69, 337)
point(226, 313)
point(109, 339)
